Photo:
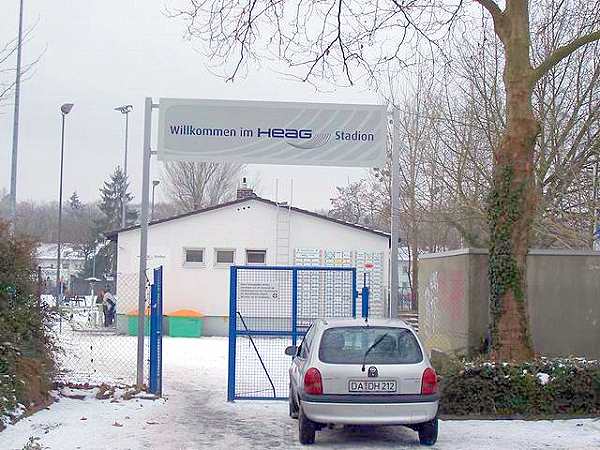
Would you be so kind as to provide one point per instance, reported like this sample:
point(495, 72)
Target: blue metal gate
point(156, 317)
point(270, 308)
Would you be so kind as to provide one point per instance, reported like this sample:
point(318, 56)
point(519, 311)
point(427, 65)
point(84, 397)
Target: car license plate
point(372, 386)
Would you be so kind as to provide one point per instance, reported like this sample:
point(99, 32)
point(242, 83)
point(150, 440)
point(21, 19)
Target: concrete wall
point(248, 225)
point(563, 301)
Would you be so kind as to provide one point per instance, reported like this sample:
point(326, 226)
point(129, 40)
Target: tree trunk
point(513, 199)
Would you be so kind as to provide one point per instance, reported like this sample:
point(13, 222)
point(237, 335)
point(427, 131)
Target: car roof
point(360, 322)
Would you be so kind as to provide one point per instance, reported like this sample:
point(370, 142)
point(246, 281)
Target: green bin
point(185, 323)
point(132, 324)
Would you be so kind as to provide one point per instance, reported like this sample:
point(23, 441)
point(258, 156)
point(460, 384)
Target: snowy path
point(196, 415)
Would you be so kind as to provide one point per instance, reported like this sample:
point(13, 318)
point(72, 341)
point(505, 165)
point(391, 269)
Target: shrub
point(26, 347)
point(544, 387)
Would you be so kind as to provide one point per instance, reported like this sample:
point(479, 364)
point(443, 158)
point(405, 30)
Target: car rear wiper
point(373, 345)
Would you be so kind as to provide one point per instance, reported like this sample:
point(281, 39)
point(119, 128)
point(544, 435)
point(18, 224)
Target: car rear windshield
point(382, 345)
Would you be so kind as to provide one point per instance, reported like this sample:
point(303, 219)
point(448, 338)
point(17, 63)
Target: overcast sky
point(101, 54)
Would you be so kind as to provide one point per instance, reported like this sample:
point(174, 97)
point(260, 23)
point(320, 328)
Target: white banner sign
point(272, 132)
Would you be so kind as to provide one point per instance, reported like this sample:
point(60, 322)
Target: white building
point(196, 250)
point(71, 262)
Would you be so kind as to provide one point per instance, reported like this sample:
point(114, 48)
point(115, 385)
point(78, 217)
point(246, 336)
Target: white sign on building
point(272, 132)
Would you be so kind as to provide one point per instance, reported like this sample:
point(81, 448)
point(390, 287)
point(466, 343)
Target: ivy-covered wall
point(562, 299)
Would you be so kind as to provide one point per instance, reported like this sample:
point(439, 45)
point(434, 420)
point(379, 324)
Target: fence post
point(232, 333)
point(294, 306)
point(365, 298)
point(153, 341)
point(354, 293)
point(159, 317)
point(156, 333)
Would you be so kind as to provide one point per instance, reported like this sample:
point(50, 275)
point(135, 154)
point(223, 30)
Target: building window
point(194, 257)
point(256, 256)
point(224, 256)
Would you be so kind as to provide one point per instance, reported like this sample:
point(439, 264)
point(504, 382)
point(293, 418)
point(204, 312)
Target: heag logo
point(284, 133)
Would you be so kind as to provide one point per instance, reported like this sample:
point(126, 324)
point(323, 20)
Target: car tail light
point(313, 383)
point(429, 383)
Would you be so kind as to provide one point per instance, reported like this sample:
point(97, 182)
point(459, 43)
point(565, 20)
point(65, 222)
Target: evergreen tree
point(112, 194)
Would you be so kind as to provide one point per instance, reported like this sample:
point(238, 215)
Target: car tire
point(428, 432)
point(306, 429)
point(293, 405)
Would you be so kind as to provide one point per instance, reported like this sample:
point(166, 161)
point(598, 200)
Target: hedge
point(26, 344)
point(541, 388)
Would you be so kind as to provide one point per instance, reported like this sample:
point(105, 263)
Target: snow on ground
point(195, 415)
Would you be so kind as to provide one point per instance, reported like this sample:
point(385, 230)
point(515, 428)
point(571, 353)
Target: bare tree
point(8, 52)
point(194, 185)
point(356, 38)
point(355, 203)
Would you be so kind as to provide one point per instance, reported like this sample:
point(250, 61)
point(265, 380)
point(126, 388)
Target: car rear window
point(348, 345)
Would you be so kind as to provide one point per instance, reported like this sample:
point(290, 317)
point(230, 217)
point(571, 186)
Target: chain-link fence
point(98, 340)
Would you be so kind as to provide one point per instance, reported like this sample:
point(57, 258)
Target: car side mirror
point(292, 350)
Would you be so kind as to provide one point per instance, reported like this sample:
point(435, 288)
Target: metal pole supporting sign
point(148, 106)
point(395, 215)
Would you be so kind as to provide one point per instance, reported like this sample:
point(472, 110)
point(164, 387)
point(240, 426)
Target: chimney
point(244, 191)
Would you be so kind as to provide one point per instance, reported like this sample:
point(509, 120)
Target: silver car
point(362, 372)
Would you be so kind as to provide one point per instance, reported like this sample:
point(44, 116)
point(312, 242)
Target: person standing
point(109, 303)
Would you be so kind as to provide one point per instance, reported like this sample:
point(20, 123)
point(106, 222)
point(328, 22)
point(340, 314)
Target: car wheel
point(428, 432)
point(293, 405)
point(306, 429)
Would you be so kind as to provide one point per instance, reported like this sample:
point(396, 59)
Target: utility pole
point(125, 109)
point(15, 143)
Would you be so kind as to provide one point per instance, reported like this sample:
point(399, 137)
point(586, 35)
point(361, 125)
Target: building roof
point(67, 252)
point(113, 234)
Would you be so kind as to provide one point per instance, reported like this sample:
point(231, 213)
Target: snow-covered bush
point(544, 387)
point(26, 349)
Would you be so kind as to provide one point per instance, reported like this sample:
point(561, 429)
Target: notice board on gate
point(258, 291)
point(264, 298)
point(256, 132)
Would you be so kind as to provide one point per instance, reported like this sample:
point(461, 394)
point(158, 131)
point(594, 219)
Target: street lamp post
point(154, 184)
point(125, 109)
point(15, 143)
point(64, 109)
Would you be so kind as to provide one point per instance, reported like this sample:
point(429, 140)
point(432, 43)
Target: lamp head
point(66, 108)
point(124, 109)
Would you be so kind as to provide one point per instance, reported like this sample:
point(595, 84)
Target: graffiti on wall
point(443, 315)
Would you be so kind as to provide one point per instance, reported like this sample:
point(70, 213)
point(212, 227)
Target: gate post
point(232, 333)
point(365, 298)
point(294, 306)
point(156, 313)
point(354, 293)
